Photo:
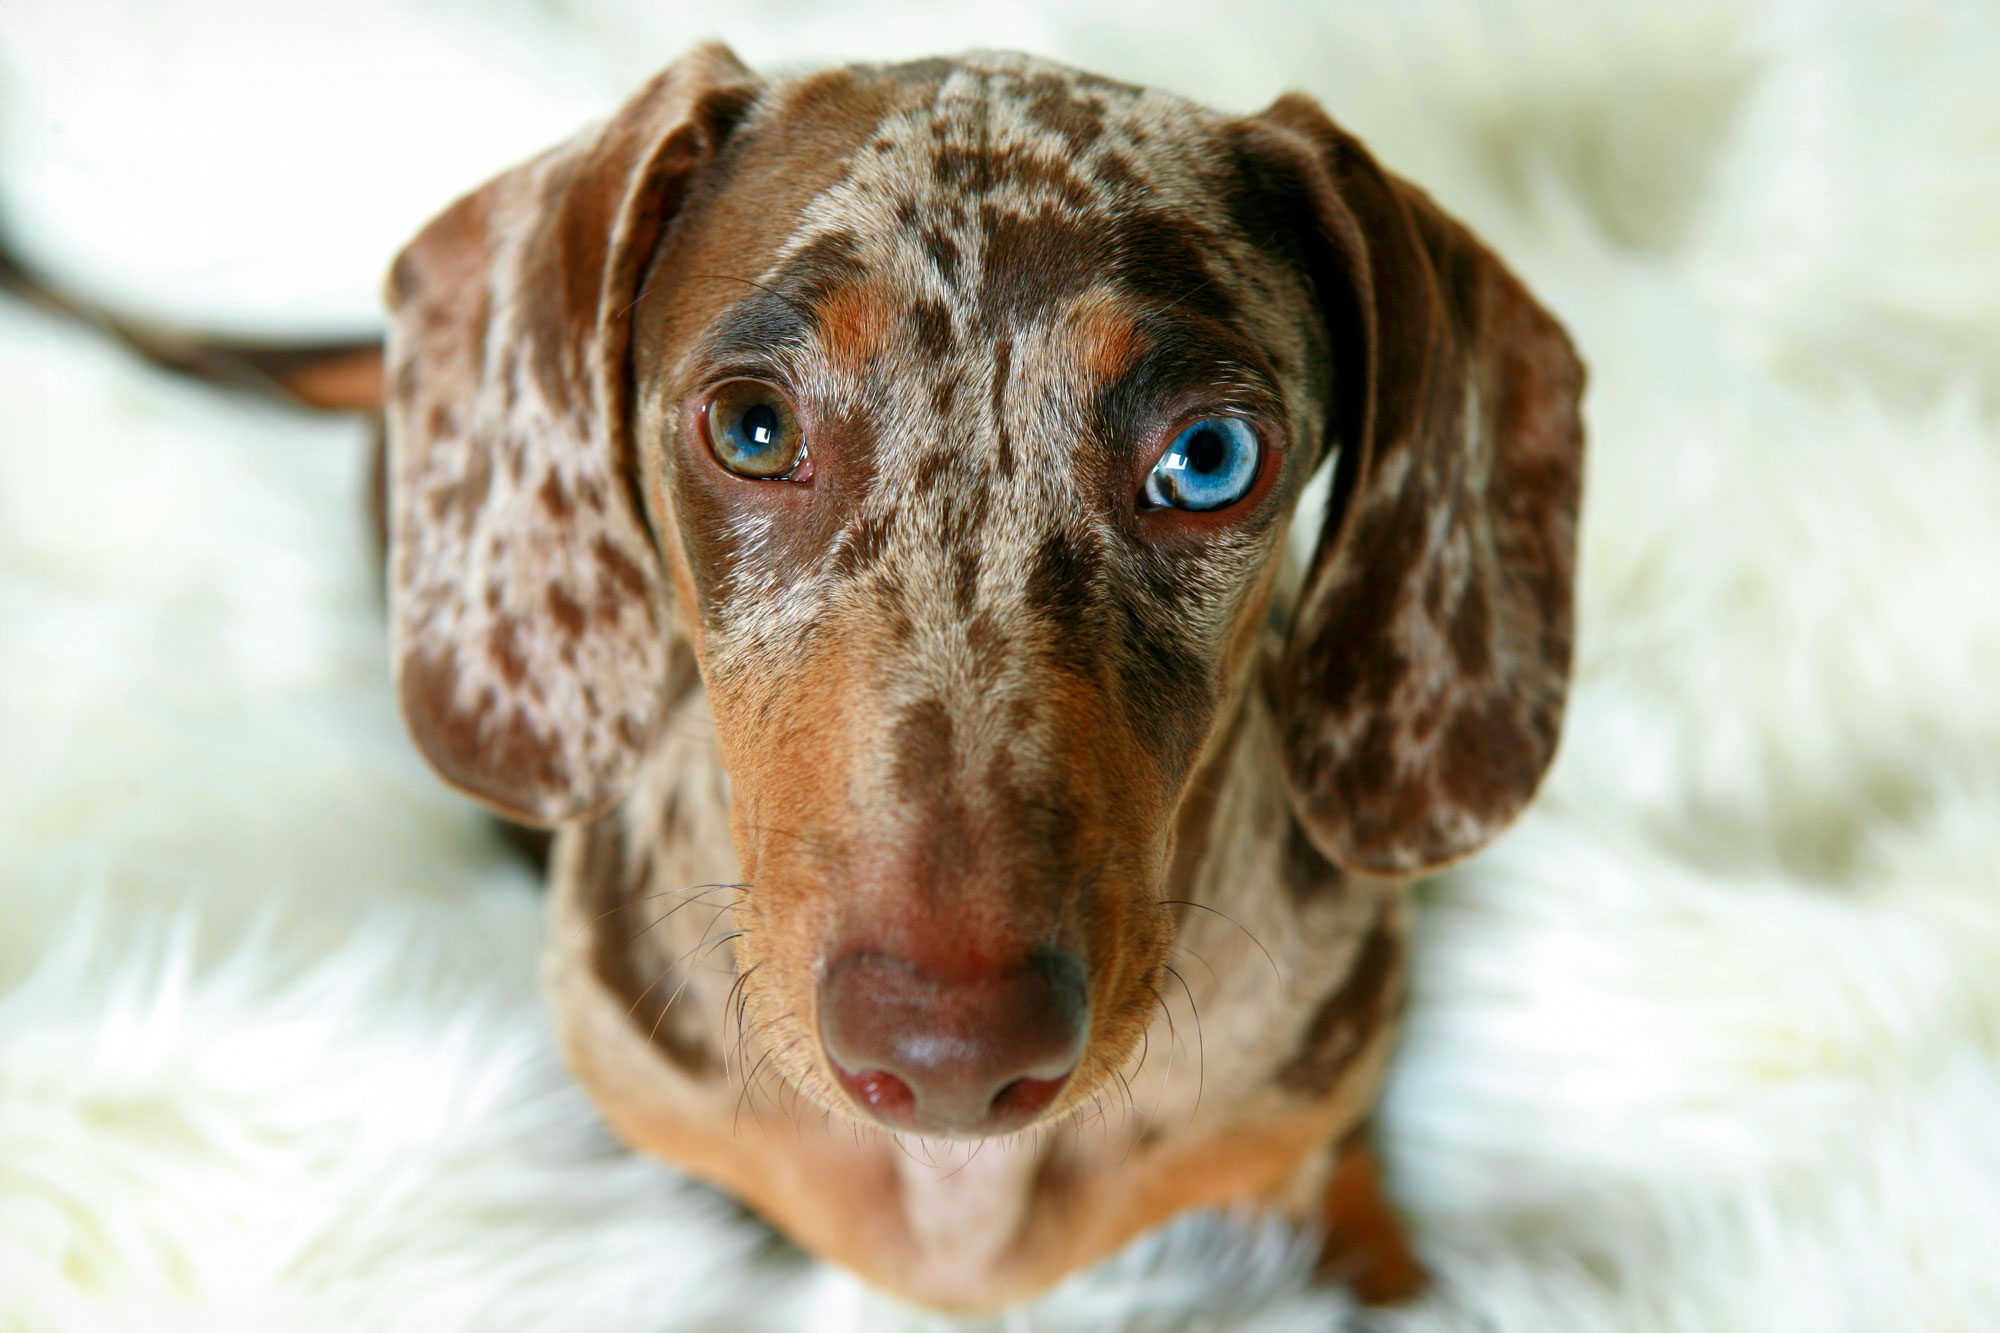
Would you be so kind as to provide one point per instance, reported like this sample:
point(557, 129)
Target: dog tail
point(341, 375)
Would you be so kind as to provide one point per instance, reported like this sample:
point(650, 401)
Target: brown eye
point(753, 431)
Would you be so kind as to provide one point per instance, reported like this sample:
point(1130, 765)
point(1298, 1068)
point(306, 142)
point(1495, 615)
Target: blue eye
point(1211, 464)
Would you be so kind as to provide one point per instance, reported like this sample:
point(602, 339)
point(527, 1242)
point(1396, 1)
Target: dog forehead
point(1002, 187)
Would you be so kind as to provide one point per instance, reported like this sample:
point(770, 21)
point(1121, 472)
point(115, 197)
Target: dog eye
point(1211, 464)
point(753, 431)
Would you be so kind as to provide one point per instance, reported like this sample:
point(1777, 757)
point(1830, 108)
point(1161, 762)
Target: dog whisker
point(734, 1000)
point(1201, 1045)
point(1213, 979)
point(666, 971)
point(698, 891)
point(1276, 972)
point(688, 973)
point(735, 1120)
point(650, 925)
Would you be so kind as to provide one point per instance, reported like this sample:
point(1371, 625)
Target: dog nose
point(968, 1056)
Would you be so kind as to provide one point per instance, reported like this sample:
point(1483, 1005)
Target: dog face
point(948, 418)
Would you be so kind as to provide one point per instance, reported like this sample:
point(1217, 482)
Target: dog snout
point(968, 1055)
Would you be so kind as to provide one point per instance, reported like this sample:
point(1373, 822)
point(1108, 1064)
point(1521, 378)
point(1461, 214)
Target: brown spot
point(1365, 1249)
point(922, 746)
point(503, 649)
point(565, 610)
point(930, 328)
point(1104, 336)
point(822, 264)
point(931, 471)
point(1079, 120)
point(1033, 263)
point(976, 172)
point(1115, 173)
point(1003, 444)
point(965, 578)
point(1061, 589)
point(442, 422)
point(620, 567)
point(1340, 1027)
point(943, 251)
point(944, 395)
point(1487, 763)
point(1471, 630)
point(1164, 256)
point(463, 497)
point(553, 497)
point(1369, 765)
point(866, 541)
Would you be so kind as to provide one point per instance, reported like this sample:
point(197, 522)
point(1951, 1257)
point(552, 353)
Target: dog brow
point(764, 320)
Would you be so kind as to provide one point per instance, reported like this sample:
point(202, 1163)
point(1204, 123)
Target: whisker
point(1201, 1045)
point(699, 891)
point(735, 1120)
point(1189, 902)
point(677, 907)
point(638, 999)
point(1213, 979)
point(1173, 1031)
point(730, 1001)
point(688, 974)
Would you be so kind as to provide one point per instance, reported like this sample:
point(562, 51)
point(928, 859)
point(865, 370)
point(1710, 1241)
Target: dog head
point(949, 418)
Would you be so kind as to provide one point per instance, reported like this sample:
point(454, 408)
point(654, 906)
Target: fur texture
point(1709, 1041)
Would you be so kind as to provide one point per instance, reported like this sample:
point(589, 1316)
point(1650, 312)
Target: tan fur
point(1104, 336)
point(959, 696)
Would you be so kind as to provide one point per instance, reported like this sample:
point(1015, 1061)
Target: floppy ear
point(1422, 685)
point(531, 630)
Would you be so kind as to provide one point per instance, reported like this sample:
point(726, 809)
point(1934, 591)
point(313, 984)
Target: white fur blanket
point(1711, 1041)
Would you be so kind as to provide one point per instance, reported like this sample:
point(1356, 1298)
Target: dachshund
point(851, 510)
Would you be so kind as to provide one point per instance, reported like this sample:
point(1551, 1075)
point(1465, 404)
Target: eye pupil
point(1205, 450)
point(760, 424)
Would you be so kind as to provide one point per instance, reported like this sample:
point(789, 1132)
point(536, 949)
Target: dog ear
point(531, 624)
point(1421, 688)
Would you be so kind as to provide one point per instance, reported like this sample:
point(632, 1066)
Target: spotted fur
point(958, 697)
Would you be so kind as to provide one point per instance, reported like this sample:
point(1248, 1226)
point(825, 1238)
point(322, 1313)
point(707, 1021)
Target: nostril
point(982, 1054)
point(881, 1092)
point(1025, 1097)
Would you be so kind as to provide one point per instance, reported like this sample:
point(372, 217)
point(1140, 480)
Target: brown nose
point(967, 1056)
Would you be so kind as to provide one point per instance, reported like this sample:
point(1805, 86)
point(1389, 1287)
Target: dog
point(851, 509)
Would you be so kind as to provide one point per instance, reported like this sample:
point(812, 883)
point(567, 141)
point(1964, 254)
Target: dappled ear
point(530, 620)
point(1422, 685)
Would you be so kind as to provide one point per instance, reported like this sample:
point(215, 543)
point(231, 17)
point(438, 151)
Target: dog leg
point(1366, 1248)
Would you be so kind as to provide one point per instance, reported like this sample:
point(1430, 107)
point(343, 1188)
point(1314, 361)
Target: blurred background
point(1710, 1041)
